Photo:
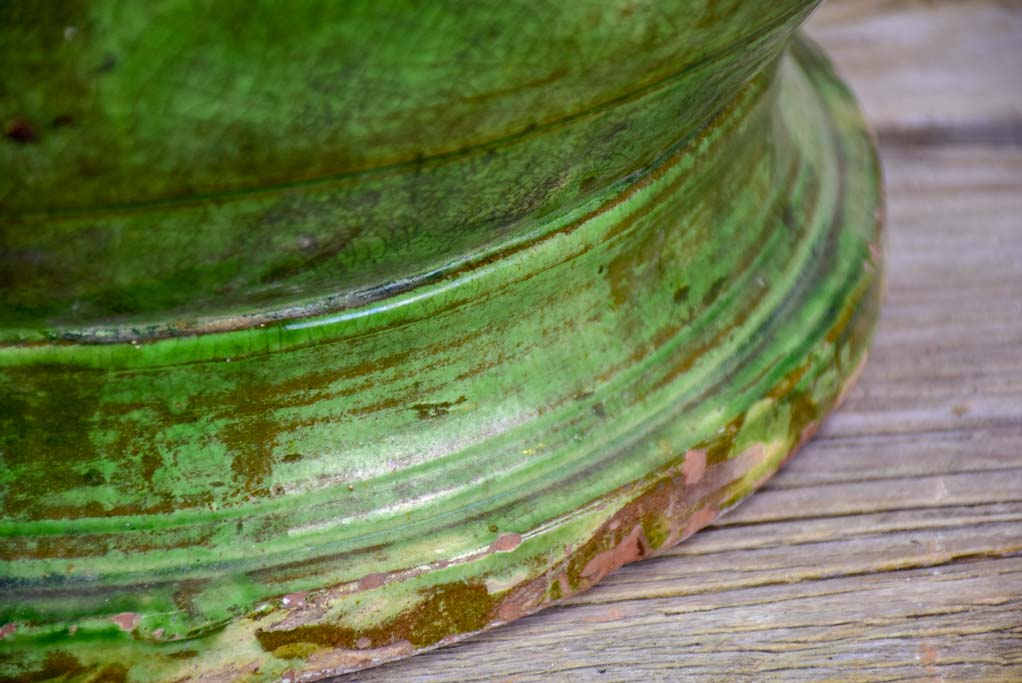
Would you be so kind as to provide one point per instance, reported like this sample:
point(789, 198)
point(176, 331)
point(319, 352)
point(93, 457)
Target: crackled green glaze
point(340, 355)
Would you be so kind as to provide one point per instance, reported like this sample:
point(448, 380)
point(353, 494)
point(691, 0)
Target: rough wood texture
point(890, 549)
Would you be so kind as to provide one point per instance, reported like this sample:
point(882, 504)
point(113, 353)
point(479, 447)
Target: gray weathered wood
point(890, 549)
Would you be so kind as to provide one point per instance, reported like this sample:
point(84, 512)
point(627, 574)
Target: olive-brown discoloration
point(451, 609)
point(56, 665)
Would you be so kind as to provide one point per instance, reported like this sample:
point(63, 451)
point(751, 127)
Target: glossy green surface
point(190, 162)
point(588, 386)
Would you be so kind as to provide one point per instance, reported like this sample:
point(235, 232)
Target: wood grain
point(890, 549)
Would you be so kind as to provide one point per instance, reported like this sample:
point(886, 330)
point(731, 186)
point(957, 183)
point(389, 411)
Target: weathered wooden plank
point(784, 630)
point(930, 71)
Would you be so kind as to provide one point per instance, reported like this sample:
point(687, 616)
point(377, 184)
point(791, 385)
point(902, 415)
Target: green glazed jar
point(331, 332)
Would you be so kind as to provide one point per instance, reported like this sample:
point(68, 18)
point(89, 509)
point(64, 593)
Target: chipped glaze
point(316, 456)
